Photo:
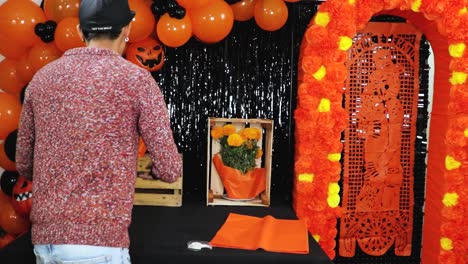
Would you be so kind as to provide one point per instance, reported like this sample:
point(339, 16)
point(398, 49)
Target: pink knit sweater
point(78, 141)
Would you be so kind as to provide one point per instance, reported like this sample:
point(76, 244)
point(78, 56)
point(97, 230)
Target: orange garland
point(320, 117)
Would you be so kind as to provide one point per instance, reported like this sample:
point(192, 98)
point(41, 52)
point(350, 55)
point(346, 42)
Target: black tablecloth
point(160, 235)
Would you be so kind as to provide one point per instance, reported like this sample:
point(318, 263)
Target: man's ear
point(80, 33)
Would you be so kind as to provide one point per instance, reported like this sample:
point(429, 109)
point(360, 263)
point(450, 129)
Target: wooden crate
point(215, 194)
point(156, 192)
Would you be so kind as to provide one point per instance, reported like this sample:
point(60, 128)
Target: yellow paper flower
point(333, 200)
point(345, 43)
point(320, 73)
point(465, 132)
point(462, 11)
point(446, 243)
point(451, 163)
point(333, 188)
point(217, 132)
point(456, 50)
point(416, 5)
point(324, 105)
point(229, 129)
point(334, 157)
point(306, 177)
point(322, 19)
point(351, 2)
point(316, 237)
point(450, 199)
point(235, 140)
point(458, 78)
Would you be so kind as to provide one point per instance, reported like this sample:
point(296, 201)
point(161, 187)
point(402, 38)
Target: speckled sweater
point(78, 141)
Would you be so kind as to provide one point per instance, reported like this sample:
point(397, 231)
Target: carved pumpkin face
point(22, 196)
point(148, 54)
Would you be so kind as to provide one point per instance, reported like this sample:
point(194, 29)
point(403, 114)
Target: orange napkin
point(268, 233)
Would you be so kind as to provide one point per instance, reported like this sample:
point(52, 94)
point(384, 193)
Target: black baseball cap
point(104, 15)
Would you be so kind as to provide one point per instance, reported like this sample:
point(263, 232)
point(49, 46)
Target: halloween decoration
point(22, 196)
point(143, 22)
point(174, 32)
point(19, 18)
point(10, 220)
point(66, 35)
point(5, 238)
point(10, 145)
point(148, 54)
point(8, 181)
point(46, 30)
point(9, 78)
point(213, 22)
point(10, 109)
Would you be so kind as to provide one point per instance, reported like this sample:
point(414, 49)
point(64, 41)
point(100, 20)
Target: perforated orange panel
point(381, 99)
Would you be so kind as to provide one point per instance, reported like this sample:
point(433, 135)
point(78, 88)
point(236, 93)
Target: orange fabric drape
point(239, 185)
point(267, 233)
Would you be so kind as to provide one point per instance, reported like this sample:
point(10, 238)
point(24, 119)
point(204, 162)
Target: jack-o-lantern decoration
point(22, 196)
point(147, 53)
point(5, 238)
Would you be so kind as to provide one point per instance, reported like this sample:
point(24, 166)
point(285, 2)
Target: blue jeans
point(80, 254)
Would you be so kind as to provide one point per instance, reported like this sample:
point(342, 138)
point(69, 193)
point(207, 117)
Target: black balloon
point(179, 13)
point(10, 145)
point(8, 180)
point(158, 8)
point(39, 29)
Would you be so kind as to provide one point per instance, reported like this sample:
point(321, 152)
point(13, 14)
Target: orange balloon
point(11, 50)
point(10, 220)
point(243, 10)
point(10, 81)
point(143, 23)
point(174, 32)
point(189, 4)
point(270, 15)
point(43, 53)
point(213, 22)
point(66, 35)
point(59, 9)
point(10, 110)
point(24, 68)
point(18, 19)
point(292, 1)
point(5, 162)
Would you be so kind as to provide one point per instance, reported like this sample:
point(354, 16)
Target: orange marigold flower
point(259, 153)
point(217, 132)
point(229, 129)
point(251, 133)
point(235, 140)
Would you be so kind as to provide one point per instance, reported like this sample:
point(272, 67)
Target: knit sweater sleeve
point(25, 139)
point(154, 127)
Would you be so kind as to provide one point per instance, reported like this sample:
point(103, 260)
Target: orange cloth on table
point(268, 233)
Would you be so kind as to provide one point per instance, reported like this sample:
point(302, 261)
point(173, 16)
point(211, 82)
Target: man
point(78, 140)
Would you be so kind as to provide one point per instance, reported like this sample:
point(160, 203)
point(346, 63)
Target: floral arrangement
point(239, 149)
point(320, 117)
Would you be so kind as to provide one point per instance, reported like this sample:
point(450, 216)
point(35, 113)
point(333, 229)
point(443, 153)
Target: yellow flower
point(465, 133)
point(229, 129)
point(333, 200)
point(320, 73)
point(251, 133)
point(333, 188)
point(458, 78)
point(306, 177)
point(259, 153)
point(334, 157)
point(345, 43)
point(446, 243)
point(416, 5)
point(235, 140)
point(316, 237)
point(217, 132)
point(324, 105)
point(450, 199)
point(462, 11)
point(456, 50)
point(451, 163)
point(322, 19)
